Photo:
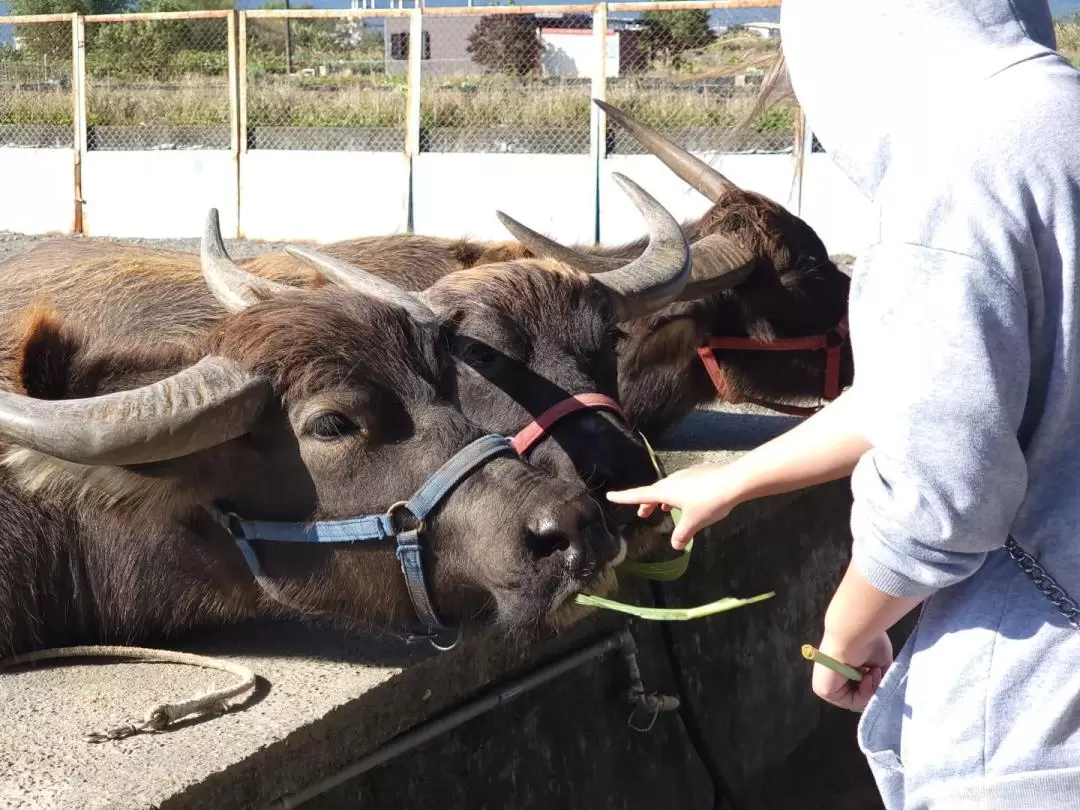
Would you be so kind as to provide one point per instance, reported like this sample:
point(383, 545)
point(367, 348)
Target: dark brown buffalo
point(776, 281)
point(526, 333)
point(116, 453)
point(792, 289)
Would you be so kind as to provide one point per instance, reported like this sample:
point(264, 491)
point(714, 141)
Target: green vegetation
point(174, 72)
point(1068, 38)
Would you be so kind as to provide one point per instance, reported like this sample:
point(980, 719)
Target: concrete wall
point(38, 190)
point(332, 195)
point(569, 52)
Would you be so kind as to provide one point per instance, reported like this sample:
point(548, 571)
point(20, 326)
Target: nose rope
point(404, 522)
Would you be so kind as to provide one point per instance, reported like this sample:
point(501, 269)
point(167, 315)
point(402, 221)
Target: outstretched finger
point(644, 495)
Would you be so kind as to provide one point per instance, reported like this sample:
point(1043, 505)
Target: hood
point(863, 70)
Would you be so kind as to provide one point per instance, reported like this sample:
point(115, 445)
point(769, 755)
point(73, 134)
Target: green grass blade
point(671, 614)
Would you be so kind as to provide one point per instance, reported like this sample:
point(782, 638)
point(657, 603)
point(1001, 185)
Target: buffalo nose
point(574, 531)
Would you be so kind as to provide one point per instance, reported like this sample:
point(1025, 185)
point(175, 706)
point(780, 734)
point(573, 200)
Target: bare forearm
point(859, 612)
point(823, 448)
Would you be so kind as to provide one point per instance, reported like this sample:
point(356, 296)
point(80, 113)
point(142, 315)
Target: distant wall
point(333, 195)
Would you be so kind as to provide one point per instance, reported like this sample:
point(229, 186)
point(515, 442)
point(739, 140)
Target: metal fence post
point(235, 133)
point(597, 119)
point(804, 146)
point(412, 112)
point(78, 100)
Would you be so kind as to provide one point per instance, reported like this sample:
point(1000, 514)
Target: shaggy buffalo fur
point(359, 417)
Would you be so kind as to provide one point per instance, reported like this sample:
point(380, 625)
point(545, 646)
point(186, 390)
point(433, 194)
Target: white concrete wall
point(327, 196)
point(157, 194)
point(573, 53)
point(458, 194)
point(323, 196)
point(37, 190)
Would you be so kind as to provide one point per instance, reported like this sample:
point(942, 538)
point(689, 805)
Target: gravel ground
point(12, 244)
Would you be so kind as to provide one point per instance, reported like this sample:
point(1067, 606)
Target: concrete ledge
point(326, 699)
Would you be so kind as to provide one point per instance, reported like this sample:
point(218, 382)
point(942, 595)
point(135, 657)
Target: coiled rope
point(161, 715)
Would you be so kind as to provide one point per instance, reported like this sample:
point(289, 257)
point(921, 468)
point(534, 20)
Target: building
point(446, 42)
point(572, 52)
point(765, 30)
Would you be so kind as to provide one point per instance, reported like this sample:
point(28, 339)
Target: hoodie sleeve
point(942, 359)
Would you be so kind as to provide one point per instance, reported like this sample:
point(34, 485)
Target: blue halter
point(390, 525)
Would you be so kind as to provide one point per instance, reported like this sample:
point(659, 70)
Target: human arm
point(943, 365)
point(823, 448)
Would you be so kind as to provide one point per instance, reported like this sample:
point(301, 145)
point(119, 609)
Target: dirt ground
point(12, 244)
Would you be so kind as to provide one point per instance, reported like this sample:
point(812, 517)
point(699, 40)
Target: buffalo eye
point(331, 425)
point(477, 353)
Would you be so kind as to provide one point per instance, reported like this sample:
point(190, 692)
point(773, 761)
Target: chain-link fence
point(36, 102)
point(489, 83)
point(491, 79)
point(694, 75)
point(322, 83)
point(157, 84)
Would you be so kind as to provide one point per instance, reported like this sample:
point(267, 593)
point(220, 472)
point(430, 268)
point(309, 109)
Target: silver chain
point(1054, 593)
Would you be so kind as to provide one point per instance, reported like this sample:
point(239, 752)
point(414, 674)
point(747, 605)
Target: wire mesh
point(694, 75)
point(36, 107)
point(505, 83)
point(157, 84)
point(323, 84)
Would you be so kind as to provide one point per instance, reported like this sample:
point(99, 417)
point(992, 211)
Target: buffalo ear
point(672, 344)
point(44, 355)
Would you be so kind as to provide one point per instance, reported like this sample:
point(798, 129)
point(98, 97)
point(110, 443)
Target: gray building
point(445, 42)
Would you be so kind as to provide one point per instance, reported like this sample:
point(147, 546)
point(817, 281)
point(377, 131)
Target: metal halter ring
point(403, 507)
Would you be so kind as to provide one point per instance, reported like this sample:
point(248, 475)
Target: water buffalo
point(528, 334)
point(148, 486)
point(766, 296)
point(769, 335)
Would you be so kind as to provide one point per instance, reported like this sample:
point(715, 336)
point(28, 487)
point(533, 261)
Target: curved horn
point(718, 263)
point(658, 275)
point(546, 247)
point(693, 170)
point(234, 287)
point(207, 404)
point(361, 281)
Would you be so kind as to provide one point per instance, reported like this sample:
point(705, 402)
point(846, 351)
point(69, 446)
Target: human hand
point(871, 659)
point(704, 493)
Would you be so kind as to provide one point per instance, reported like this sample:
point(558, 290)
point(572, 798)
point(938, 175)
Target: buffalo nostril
point(546, 535)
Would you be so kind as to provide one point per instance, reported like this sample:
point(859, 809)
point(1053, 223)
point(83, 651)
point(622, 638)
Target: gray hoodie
point(962, 126)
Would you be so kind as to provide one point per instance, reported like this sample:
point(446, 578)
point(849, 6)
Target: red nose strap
point(831, 342)
point(535, 430)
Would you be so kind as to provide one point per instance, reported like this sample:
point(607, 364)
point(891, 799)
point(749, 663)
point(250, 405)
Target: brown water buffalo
point(527, 334)
point(793, 296)
point(765, 291)
point(144, 482)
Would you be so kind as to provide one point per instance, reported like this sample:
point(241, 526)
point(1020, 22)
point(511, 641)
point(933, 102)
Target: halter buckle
point(399, 509)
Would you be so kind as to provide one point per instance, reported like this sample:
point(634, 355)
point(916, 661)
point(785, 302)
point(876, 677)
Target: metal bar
point(428, 731)
point(412, 112)
point(153, 16)
point(597, 119)
point(78, 100)
point(34, 19)
point(242, 118)
point(476, 11)
point(234, 112)
point(804, 158)
point(324, 13)
point(242, 81)
point(692, 5)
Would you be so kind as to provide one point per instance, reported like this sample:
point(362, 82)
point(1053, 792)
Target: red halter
point(535, 430)
point(831, 342)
